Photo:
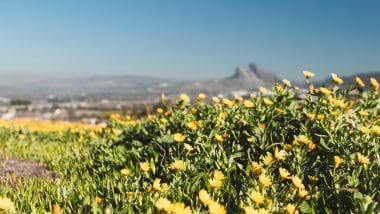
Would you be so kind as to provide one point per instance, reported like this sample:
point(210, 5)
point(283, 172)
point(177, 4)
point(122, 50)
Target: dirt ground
point(23, 169)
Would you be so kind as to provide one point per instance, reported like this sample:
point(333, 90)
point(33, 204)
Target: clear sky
point(188, 39)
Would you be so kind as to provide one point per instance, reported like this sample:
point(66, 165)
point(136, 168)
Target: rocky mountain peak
point(253, 72)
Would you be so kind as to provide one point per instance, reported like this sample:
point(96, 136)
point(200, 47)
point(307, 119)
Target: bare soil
point(23, 169)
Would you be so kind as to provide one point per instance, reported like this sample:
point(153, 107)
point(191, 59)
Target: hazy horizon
point(187, 40)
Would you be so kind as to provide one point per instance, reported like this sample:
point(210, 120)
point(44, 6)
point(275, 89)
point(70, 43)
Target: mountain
point(246, 77)
point(254, 74)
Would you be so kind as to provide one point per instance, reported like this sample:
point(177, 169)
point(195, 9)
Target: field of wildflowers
point(261, 154)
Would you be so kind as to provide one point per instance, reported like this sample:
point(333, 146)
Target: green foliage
point(105, 171)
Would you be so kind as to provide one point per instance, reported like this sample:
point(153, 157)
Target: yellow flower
point(115, 117)
point(362, 159)
point(263, 90)
point(191, 125)
point(215, 183)
point(216, 208)
point(130, 195)
point(376, 130)
point(178, 137)
point(363, 113)
point(262, 126)
point(165, 187)
point(117, 132)
point(204, 197)
point(56, 209)
point(280, 110)
point(311, 146)
point(163, 120)
point(265, 180)
point(7, 205)
point(255, 167)
point(180, 208)
point(312, 178)
point(218, 138)
point(365, 130)
point(257, 197)
point(263, 211)
point(250, 210)
point(297, 182)
point(324, 91)
point(310, 116)
point(337, 161)
point(178, 165)
point(250, 139)
point(144, 166)
point(219, 175)
point(227, 102)
point(156, 184)
point(149, 189)
point(238, 98)
point(188, 147)
point(159, 110)
point(359, 82)
point(339, 103)
point(279, 155)
point(184, 98)
point(163, 204)
point(374, 84)
point(201, 96)
point(291, 209)
point(335, 113)
point(320, 117)
point(215, 99)
point(303, 139)
point(308, 74)
point(248, 104)
point(125, 172)
point(98, 199)
point(269, 202)
point(151, 117)
point(223, 115)
point(267, 101)
point(304, 194)
point(288, 147)
point(284, 173)
point(268, 159)
point(287, 82)
point(337, 80)
point(279, 87)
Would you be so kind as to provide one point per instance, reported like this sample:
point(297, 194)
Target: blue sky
point(188, 39)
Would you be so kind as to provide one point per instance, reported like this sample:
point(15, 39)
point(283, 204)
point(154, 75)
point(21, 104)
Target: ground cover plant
point(261, 154)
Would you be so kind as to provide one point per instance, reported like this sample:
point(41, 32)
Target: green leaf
point(167, 139)
point(305, 207)
point(152, 166)
point(323, 144)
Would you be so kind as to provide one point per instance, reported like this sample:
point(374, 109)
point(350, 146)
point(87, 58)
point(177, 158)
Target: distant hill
point(102, 86)
point(247, 78)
